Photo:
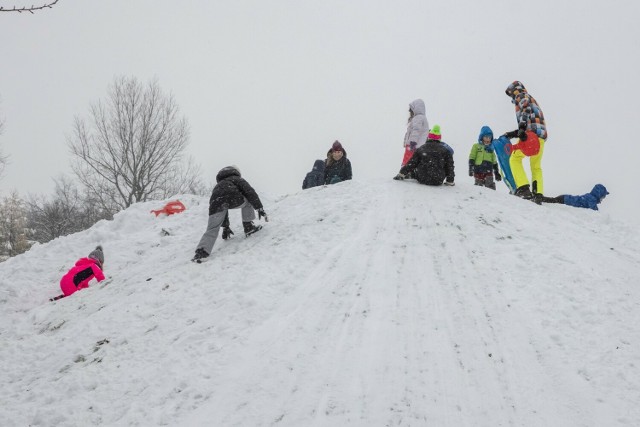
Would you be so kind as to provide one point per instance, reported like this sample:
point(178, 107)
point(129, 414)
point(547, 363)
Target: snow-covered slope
point(367, 304)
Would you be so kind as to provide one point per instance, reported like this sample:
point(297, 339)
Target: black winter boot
point(524, 192)
point(249, 228)
point(200, 255)
point(537, 197)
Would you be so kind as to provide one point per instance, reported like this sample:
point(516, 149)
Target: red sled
point(171, 208)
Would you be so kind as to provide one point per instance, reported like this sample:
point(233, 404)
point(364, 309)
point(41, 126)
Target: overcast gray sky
point(268, 85)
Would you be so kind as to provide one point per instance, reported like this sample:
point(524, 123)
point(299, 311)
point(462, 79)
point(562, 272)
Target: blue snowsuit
point(315, 177)
point(589, 200)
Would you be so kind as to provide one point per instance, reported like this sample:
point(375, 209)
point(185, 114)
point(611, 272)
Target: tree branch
point(29, 9)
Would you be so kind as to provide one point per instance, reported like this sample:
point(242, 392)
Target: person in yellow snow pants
point(519, 175)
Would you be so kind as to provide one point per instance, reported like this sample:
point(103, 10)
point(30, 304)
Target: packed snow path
point(365, 304)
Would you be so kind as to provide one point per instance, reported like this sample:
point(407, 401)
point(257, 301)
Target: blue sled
point(502, 148)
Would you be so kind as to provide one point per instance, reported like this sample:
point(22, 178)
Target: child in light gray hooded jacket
point(417, 129)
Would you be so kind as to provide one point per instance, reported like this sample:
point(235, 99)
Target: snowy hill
point(365, 304)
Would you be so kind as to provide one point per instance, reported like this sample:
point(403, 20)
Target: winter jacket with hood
point(431, 164)
point(482, 158)
point(315, 177)
point(528, 111)
point(589, 200)
point(231, 191)
point(418, 127)
point(79, 276)
point(337, 171)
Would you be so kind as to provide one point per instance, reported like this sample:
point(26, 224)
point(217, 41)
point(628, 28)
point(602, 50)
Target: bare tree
point(4, 159)
point(184, 179)
point(59, 216)
point(13, 226)
point(133, 146)
point(30, 9)
point(67, 211)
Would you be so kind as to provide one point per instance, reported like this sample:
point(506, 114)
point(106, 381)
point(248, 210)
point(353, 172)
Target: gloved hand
point(470, 171)
point(450, 184)
point(412, 146)
point(522, 135)
point(261, 214)
point(399, 177)
point(226, 233)
point(511, 134)
point(498, 177)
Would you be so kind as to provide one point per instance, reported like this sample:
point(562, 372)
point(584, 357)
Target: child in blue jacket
point(589, 200)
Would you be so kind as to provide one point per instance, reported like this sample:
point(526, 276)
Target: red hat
point(337, 146)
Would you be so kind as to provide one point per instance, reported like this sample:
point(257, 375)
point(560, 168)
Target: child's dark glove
point(412, 146)
point(261, 214)
point(470, 171)
point(226, 233)
point(498, 177)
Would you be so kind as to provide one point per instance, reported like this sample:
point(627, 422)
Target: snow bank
point(372, 304)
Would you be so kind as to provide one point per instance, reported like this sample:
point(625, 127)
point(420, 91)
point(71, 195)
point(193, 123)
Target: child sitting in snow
point(314, 178)
point(483, 163)
point(79, 276)
point(337, 166)
point(432, 163)
point(589, 200)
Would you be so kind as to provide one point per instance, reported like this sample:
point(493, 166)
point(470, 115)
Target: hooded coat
point(315, 177)
point(589, 200)
point(337, 170)
point(231, 191)
point(482, 158)
point(528, 112)
point(431, 164)
point(80, 274)
point(418, 127)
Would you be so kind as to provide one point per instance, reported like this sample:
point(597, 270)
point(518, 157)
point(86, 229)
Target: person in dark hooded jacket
point(314, 178)
point(431, 164)
point(337, 166)
point(589, 200)
point(231, 192)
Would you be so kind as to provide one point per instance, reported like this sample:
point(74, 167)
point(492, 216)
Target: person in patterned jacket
point(530, 121)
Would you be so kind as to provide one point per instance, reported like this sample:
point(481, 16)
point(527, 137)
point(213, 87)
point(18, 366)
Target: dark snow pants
point(485, 179)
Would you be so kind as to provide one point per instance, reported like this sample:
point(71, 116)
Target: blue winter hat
point(485, 131)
